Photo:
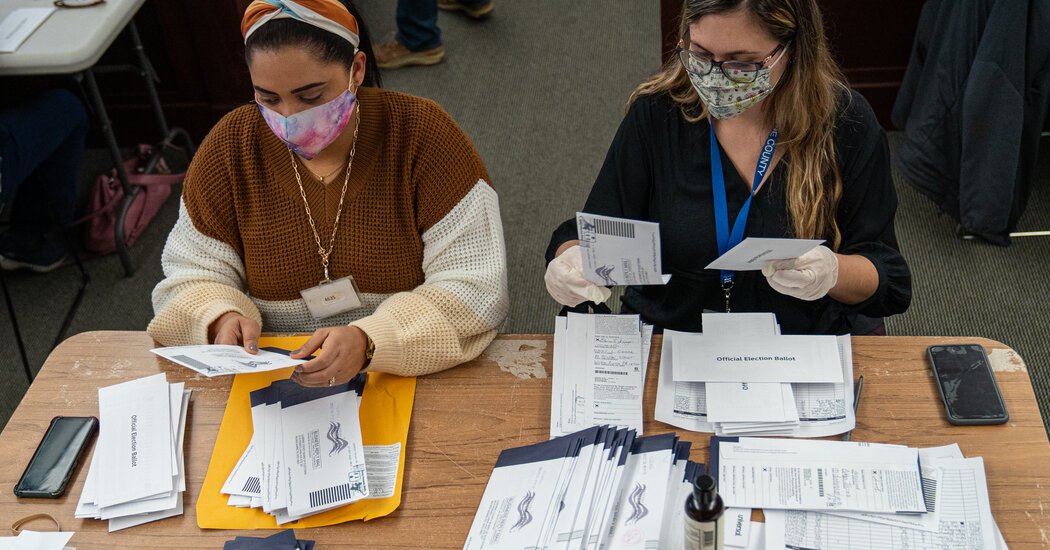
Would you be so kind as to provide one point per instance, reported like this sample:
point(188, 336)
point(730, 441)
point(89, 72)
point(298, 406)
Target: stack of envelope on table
point(830, 495)
point(598, 488)
point(599, 368)
point(306, 455)
point(710, 382)
point(137, 472)
point(285, 540)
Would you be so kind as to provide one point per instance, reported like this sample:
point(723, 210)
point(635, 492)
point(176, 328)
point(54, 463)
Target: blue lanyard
point(727, 240)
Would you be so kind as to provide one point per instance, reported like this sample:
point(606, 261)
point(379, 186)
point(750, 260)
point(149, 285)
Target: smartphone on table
point(56, 457)
point(967, 384)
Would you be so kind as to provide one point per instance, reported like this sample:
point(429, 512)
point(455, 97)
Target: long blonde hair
point(808, 91)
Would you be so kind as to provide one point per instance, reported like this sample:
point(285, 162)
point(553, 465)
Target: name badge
point(332, 297)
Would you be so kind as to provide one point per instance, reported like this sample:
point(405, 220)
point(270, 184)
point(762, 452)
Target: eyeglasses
point(743, 72)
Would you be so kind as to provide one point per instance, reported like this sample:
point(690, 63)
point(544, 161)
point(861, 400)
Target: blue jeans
point(41, 143)
point(417, 27)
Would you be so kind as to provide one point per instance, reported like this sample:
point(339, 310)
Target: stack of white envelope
point(600, 487)
point(137, 472)
point(710, 389)
point(599, 368)
point(306, 455)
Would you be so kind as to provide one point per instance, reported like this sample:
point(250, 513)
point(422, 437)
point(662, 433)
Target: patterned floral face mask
point(724, 97)
point(308, 132)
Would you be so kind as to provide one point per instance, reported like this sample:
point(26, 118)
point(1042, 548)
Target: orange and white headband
point(329, 15)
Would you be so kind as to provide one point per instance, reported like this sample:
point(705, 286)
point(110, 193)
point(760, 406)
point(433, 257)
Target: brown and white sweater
point(420, 233)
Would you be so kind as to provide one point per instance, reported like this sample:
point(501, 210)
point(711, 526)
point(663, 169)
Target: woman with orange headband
point(335, 206)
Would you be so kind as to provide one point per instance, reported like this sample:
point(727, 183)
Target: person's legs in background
point(41, 144)
point(418, 38)
point(478, 9)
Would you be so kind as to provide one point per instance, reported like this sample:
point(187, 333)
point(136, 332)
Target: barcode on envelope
point(615, 228)
point(253, 486)
point(929, 493)
point(322, 497)
point(820, 481)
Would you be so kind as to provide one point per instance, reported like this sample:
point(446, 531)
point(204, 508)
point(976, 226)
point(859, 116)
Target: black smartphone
point(967, 385)
point(56, 457)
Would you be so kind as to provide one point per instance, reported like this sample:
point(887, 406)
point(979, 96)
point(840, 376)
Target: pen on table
point(856, 401)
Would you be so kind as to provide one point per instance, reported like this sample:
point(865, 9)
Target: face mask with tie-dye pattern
point(308, 132)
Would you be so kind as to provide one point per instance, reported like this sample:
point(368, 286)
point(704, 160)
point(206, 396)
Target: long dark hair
point(329, 47)
point(803, 104)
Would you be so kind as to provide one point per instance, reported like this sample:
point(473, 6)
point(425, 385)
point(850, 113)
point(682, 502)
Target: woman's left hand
point(340, 359)
point(808, 277)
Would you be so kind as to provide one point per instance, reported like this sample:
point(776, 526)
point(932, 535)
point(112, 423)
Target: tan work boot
point(391, 54)
point(477, 12)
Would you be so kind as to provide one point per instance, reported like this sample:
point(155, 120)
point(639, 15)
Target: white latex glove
point(807, 277)
point(565, 281)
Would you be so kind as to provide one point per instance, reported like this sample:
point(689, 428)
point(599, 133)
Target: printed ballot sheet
point(618, 251)
point(817, 475)
point(219, 360)
point(752, 252)
point(965, 520)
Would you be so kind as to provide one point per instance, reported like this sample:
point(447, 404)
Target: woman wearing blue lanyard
point(793, 153)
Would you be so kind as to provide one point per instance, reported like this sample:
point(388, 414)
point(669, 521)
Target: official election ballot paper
point(775, 358)
point(792, 474)
point(218, 360)
point(618, 251)
point(600, 488)
point(753, 252)
point(732, 408)
point(137, 471)
point(599, 371)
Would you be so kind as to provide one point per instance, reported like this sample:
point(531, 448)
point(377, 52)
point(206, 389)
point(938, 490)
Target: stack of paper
point(597, 488)
point(846, 495)
point(137, 472)
point(599, 368)
point(305, 455)
point(742, 377)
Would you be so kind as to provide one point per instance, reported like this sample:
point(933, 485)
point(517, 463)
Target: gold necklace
point(330, 174)
point(335, 226)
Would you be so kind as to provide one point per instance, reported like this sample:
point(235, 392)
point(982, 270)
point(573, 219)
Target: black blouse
point(658, 169)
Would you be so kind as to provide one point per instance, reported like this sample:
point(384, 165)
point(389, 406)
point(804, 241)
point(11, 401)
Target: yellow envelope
point(386, 408)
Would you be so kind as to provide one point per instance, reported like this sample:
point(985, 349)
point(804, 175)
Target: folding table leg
point(149, 75)
point(14, 325)
point(130, 191)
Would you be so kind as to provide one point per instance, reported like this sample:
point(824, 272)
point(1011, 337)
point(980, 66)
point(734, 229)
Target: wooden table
point(465, 416)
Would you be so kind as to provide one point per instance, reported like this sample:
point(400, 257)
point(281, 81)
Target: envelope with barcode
point(619, 251)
